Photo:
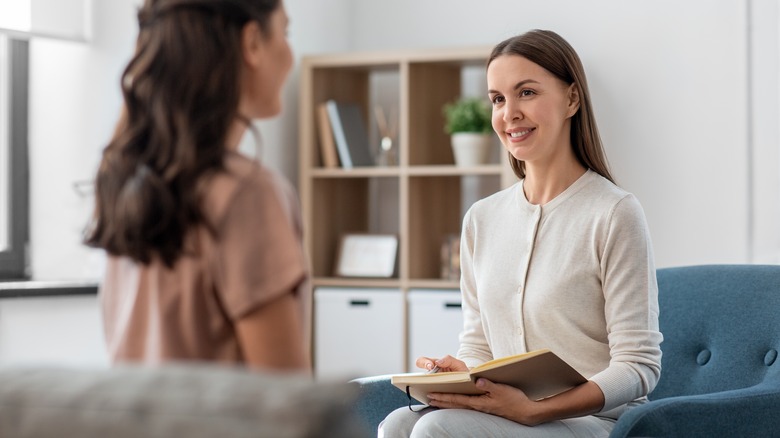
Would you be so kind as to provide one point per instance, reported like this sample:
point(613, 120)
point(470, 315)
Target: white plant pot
point(471, 149)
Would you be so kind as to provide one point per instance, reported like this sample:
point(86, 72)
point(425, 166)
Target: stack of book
point(343, 136)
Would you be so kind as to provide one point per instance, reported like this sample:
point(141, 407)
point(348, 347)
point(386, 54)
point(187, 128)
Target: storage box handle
point(363, 303)
point(453, 305)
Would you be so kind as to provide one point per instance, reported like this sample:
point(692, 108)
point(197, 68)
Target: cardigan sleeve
point(474, 349)
point(631, 307)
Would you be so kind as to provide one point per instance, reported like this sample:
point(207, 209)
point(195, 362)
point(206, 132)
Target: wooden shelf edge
point(428, 170)
point(385, 283)
point(356, 172)
point(392, 58)
point(356, 282)
point(452, 170)
point(434, 284)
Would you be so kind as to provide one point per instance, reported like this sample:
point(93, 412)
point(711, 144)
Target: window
point(16, 15)
point(62, 19)
point(19, 21)
point(5, 203)
point(14, 214)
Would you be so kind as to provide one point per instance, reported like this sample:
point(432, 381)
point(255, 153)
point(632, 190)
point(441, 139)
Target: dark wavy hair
point(551, 52)
point(181, 95)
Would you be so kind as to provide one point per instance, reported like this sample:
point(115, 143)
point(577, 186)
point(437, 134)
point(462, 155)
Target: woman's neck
point(543, 183)
point(235, 134)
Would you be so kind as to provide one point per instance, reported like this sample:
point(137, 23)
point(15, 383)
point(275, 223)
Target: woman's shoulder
point(607, 199)
point(603, 191)
point(250, 173)
point(500, 199)
point(245, 180)
point(494, 207)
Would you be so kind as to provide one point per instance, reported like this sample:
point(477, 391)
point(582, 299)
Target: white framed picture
point(367, 255)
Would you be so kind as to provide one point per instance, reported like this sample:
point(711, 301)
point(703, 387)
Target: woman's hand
point(511, 403)
point(502, 400)
point(446, 363)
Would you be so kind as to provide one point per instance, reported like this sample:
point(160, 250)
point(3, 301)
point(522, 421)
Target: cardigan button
point(770, 357)
point(703, 357)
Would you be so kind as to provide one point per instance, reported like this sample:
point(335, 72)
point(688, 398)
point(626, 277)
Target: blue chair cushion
point(721, 328)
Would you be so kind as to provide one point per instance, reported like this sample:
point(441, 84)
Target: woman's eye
point(497, 99)
point(526, 93)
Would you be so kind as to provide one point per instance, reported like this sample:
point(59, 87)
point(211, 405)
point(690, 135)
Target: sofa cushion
point(172, 401)
point(720, 326)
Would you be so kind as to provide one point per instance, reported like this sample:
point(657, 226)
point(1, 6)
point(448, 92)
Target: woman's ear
point(573, 95)
point(252, 44)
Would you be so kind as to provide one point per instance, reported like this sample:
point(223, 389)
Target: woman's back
point(247, 253)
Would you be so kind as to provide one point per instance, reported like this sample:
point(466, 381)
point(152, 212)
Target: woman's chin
point(519, 153)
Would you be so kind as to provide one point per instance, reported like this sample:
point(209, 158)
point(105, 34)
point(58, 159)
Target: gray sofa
point(180, 401)
point(720, 376)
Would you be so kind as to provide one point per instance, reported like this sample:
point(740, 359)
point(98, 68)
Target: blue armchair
point(720, 375)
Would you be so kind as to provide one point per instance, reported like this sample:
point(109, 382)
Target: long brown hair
point(181, 95)
point(551, 52)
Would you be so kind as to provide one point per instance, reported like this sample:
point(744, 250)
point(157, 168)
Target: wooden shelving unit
point(421, 198)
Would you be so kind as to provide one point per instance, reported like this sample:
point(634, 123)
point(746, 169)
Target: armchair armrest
point(377, 398)
point(743, 412)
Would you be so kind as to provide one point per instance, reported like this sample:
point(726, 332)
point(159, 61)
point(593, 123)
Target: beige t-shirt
point(252, 255)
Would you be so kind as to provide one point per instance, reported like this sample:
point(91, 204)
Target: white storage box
point(358, 332)
point(435, 322)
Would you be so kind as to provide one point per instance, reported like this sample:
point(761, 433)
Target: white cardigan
point(575, 275)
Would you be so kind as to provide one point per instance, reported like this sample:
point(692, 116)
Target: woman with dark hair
point(560, 260)
point(205, 257)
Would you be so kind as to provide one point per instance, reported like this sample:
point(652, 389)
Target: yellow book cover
point(539, 374)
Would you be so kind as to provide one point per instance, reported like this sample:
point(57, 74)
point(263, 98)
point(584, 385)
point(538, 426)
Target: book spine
point(339, 134)
point(327, 144)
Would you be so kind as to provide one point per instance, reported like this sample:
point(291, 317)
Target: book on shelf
point(349, 131)
point(539, 374)
point(328, 152)
point(450, 258)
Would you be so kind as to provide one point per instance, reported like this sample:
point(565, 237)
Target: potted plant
point(468, 123)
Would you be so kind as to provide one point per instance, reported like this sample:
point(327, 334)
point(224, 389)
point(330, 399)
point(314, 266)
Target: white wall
point(669, 84)
point(74, 102)
point(57, 331)
point(763, 231)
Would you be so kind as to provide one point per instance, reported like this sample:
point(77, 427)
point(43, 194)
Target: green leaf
point(467, 115)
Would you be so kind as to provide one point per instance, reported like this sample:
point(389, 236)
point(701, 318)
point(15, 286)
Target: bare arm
point(585, 399)
point(271, 336)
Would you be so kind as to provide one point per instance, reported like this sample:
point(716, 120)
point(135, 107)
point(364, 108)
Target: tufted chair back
point(721, 327)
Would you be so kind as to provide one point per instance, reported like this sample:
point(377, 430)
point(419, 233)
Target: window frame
point(14, 261)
